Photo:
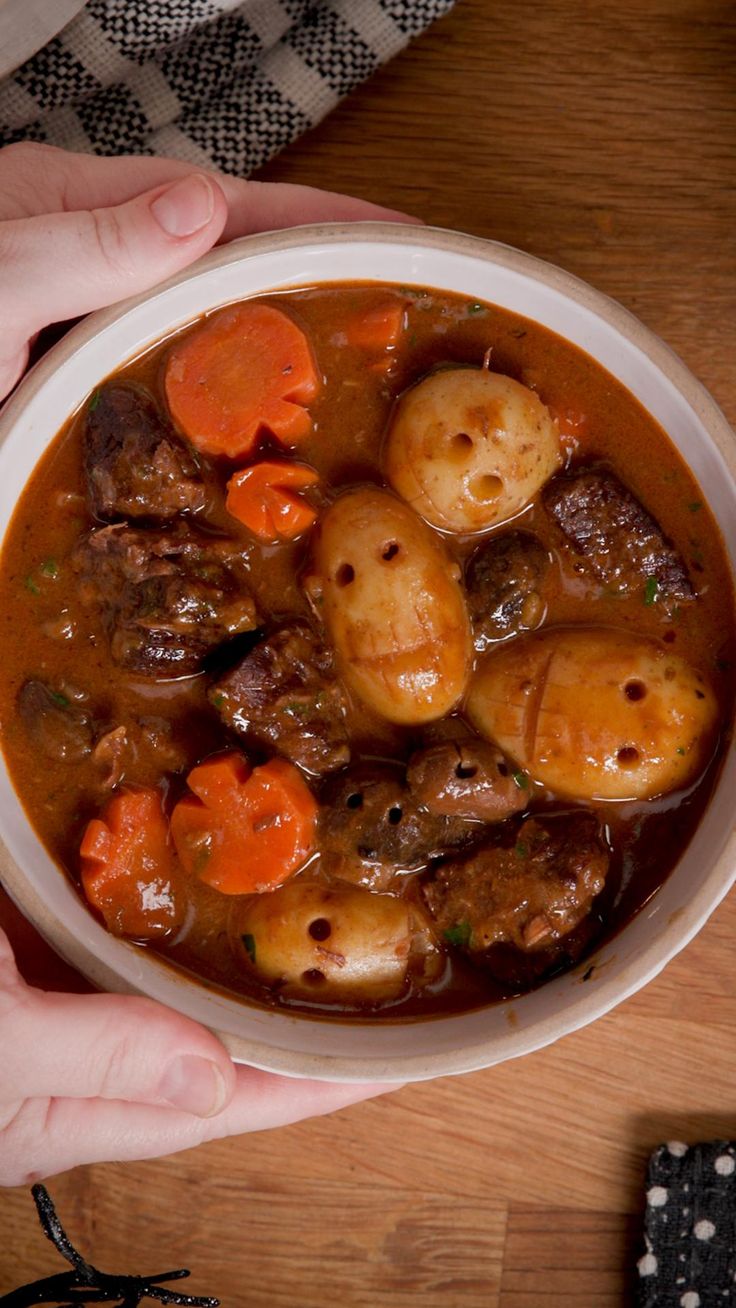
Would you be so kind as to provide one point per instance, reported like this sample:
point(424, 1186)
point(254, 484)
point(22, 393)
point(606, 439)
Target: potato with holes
point(393, 609)
point(596, 713)
point(334, 943)
point(469, 448)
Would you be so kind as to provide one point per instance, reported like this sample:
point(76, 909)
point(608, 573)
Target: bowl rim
point(649, 962)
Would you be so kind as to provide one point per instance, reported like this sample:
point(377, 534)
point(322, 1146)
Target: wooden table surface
point(599, 134)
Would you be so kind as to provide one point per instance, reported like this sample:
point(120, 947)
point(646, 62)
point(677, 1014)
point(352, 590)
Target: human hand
point(78, 232)
point(91, 1078)
point(87, 1078)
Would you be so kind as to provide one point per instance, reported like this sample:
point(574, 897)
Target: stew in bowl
point(368, 652)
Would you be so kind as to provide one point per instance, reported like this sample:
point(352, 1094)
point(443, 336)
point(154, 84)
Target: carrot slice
point(262, 498)
point(379, 328)
point(129, 868)
point(244, 831)
point(246, 369)
point(572, 423)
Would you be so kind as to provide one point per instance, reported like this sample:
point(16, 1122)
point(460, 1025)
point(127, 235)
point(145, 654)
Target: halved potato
point(469, 448)
point(390, 599)
point(596, 713)
point(333, 943)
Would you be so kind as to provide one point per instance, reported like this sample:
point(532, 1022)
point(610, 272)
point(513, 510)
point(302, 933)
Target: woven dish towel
point(208, 81)
point(690, 1227)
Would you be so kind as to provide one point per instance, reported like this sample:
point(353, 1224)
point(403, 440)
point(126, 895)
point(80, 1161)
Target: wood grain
point(602, 137)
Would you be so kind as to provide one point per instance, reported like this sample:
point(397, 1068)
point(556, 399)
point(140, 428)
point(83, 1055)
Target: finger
point(46, 1138)
point(113, 1046)
point(58, 266)
point(269, 206)
point(10, 978)
point(36, 179)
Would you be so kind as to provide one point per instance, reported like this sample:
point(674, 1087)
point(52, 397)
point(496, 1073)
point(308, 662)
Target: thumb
point(113, 1047)
point(62, 265)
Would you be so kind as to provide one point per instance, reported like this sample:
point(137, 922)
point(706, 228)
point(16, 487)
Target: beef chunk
point(467, 779)
point(135, 466)
point(59, 729)
point(166, 596)
point(505, 581)
point(607, 526)
point(284, 695)
point(529, 895)
point(140, 750)
point(372, 829)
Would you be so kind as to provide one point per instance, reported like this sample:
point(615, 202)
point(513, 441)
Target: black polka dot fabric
point(208, 81)
point(689, 1260)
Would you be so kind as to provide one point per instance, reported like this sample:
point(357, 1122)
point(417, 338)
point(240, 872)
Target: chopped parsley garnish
point(680, 750)
point(249, 944)
point(218, 700)
point(49, 568)
point(298, 707)
point(695, 505)
point(94, 400)
point(31, 586)
point(458, 935)
point(59, 699)
point(521, 780)
point(521, 849)
point(476, 308)
point(650, 590)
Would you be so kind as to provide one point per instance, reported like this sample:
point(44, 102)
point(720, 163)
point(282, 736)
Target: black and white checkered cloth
point(208, 81)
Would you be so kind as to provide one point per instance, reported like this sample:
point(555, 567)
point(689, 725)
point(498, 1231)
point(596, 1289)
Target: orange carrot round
point(262, 498)
point(129, 868)
point(244, 831)
point(246, 370)
point(377, 328)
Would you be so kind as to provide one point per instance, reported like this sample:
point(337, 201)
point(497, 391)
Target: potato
point(390, 599)
point(469, 448)
point(334, 942)
point(595, 713)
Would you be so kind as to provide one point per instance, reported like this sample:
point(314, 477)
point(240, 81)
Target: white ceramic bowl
point(336, 1050)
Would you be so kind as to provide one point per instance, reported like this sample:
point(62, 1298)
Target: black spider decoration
point(86, 1284)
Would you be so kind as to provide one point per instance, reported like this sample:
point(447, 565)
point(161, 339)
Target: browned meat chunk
point(136, 467)
point(140, 751)
point(530, 895)
point(607, 526)
point(373, 830)
point(60, 729)
point(467, 779)
point(505, 581)
point(284, 694)
point(166, 597)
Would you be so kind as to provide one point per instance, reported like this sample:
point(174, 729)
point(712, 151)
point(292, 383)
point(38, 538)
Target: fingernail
point(186, 207)
point(195, 1085)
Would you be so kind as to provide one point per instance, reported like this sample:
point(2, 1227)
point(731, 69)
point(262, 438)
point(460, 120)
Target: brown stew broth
point(599, 419)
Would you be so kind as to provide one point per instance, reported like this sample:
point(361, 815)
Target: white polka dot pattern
point(689, 1255)
point(647, 1265)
